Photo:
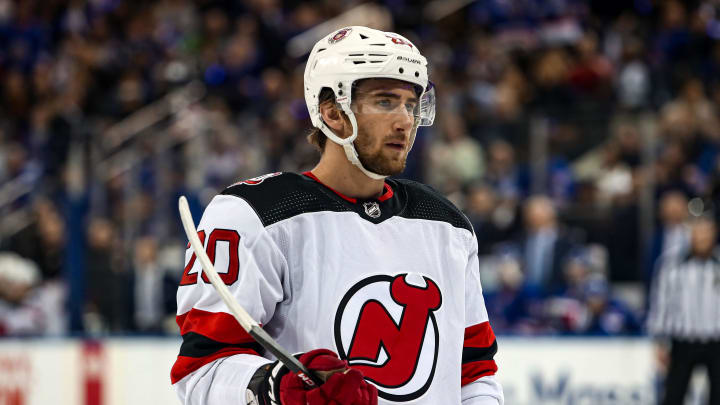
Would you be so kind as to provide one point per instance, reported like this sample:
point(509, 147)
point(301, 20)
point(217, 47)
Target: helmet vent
point(357, 62)
point(356, 54)
point(375, 61)
point(363, 36)
point(321, 49)
point(377, 54)
point(378, 44)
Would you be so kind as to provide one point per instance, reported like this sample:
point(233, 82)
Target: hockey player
point(383, 273)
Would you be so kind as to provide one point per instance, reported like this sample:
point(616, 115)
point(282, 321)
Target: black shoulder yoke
point(278, 196)
point(424, 202)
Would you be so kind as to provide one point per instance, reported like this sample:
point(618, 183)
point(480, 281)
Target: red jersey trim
point(218, 326)
point(185, 365)
point(344, 197)
point(479, 335)
point(386, 195)
point(476, 370)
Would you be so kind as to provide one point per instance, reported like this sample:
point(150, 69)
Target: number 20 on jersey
point(217, 235)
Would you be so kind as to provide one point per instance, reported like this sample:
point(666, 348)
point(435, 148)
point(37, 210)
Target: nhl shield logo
point(372, 209)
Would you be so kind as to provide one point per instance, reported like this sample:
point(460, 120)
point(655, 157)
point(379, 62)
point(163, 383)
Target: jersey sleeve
point(215, 348)
point(479, 386)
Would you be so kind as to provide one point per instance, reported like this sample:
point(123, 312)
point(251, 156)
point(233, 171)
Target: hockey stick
point(243, 318)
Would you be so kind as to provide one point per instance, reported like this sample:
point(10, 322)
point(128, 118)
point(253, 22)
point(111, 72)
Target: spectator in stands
point(586, 306)
point(18, 277)
point(492, 220)
point(43, 239)
point(672, 236)
point(551, 73)
point(633, 79)
point(607, 316)
point(689, 115)
point(503, 173)
point(108, 301)
point(691, 121)
point(609, 167)
point(614, 177)
point(148, 283)
point(19, 166)
point(592, 73)
point(545, 245)
point(153, 286)
point(28, 307)
point(684, 312)
point(455, 159)
point(513, 306)
point(577, 270)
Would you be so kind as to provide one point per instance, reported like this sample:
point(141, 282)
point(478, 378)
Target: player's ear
point(333, 117)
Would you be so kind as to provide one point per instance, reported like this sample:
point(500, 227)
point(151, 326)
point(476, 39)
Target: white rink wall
point(133, 371)
point(76, 372)
point(573, 371)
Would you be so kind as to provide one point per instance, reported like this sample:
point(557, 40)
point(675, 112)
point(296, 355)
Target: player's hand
point(343, 385)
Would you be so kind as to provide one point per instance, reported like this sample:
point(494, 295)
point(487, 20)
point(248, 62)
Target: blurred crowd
point(580, 138)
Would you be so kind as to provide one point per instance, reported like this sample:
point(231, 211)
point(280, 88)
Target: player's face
point(384, 110)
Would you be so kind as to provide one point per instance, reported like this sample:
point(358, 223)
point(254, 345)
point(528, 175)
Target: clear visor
point(397, 100)
point(427, 106)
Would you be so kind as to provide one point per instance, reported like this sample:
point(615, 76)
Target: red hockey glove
point(342, 385)
point(275, 384)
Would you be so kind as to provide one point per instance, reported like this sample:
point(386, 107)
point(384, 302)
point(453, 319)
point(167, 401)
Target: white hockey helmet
point(354, 53)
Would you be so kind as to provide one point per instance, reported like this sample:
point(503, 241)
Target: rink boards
point(136, 371)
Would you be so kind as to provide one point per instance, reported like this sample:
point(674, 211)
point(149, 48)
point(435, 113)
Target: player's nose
point(403, 121)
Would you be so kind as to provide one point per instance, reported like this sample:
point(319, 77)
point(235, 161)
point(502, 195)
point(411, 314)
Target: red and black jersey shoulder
point(278, 196)
point(424, 202)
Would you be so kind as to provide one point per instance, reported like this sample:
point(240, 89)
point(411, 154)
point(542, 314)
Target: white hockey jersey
point(391, 284)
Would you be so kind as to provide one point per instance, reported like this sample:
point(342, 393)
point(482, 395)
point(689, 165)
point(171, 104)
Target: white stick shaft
point(243, 318)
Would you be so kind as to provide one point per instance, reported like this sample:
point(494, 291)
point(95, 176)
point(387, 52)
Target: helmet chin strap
point(347, 143)
point(352, 156)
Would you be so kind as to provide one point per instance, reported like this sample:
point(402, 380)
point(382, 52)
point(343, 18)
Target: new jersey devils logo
point(257, 180)
point(340, 35)
point(399, 41)
point(385, 327)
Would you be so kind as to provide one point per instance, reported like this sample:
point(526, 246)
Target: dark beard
point(377, 163)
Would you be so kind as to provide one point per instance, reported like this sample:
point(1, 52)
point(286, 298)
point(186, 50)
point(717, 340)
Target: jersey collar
point(386, 195)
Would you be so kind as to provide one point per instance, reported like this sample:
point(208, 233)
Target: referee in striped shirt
point(685, 310)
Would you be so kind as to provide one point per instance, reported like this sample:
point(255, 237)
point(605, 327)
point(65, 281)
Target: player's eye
point(385, 103)
point(410, 107)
